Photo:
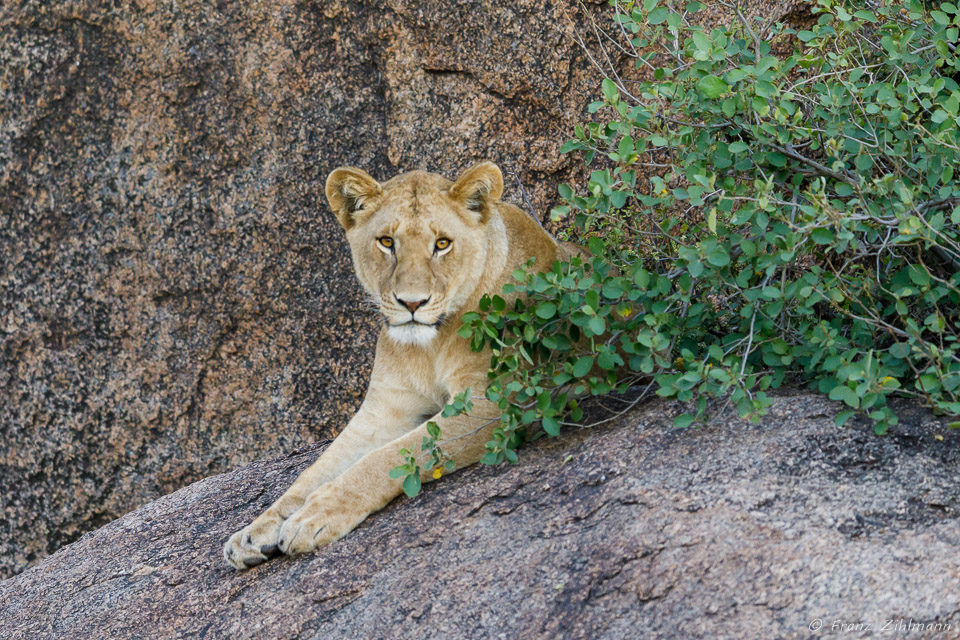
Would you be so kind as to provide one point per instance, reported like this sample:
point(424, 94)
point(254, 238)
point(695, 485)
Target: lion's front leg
point(338, 506)
point(331, 512)
point(384, 415)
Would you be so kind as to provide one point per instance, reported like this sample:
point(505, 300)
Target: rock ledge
point(632, 529)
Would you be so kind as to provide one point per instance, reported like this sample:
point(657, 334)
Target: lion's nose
point(412, 305)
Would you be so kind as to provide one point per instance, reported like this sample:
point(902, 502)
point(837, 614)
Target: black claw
point(270, 550)
point(252, 562)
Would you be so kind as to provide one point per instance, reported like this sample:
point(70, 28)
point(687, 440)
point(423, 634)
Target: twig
point(630, 406)
point(526, 199)
point(789, 151)
point(746, 23)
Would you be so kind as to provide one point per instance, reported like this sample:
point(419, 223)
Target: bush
point(753, 220)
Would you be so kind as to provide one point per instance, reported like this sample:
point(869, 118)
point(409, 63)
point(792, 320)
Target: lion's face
point(418, 242)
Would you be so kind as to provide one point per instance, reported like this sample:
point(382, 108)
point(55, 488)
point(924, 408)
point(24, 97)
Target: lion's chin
point(412, 333)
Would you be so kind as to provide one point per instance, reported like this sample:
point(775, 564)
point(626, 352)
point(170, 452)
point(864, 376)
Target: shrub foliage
point(753, 219)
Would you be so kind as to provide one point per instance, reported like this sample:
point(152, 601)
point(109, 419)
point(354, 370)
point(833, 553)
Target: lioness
point(426, 250)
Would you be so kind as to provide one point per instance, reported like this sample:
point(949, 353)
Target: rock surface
point(628, 530)
point(175, 299)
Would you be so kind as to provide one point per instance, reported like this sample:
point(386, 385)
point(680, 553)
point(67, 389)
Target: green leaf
point(845, 393)
point(583, 366)
point(701, 41)
point(718, 257)
point(411, 484)
point(683, 421)
point(489, 458)
point(546, 310)
point(609, 90)
point(712, 86)
point(551, 426)
point(658, 15)
point(736, 75)
point(595, 245)
point(929, 383)
point(612, 290)
point(597, 324)
point(760, 105)
point(729, 107)
point(822, 236)
point(918, 275)
point(777, 159)
point(842, 417)
point(900, 350)
point(593, 300)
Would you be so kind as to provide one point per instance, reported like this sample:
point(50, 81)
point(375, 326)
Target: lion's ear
point(478, 188)
point(348, 189)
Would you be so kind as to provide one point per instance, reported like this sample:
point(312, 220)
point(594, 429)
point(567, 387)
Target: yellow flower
point(437, 473)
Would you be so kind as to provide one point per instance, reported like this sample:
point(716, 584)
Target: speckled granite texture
point(631, 530)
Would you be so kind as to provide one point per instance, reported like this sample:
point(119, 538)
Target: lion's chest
point(440, 370)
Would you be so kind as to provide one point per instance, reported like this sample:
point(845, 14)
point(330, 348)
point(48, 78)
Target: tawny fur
point(419, 367)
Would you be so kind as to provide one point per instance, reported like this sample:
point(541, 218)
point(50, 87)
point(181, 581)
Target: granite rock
point(786, 529)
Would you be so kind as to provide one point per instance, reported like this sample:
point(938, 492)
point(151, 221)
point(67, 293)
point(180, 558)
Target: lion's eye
point(386, 242)
point(442, 244)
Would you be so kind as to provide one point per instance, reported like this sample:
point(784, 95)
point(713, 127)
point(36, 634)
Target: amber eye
point(442, 244)
point(386, 242)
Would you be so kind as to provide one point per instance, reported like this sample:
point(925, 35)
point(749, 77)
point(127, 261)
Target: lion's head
point(419, 241)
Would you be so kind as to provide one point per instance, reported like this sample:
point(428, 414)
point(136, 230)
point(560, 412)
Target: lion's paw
point(326, 516)
point(255, 543)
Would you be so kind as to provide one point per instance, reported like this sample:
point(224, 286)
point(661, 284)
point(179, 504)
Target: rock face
point(175, 299)
point(629, 530)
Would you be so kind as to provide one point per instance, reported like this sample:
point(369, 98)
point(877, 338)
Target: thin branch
point(790, 152)
point(526, 198)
